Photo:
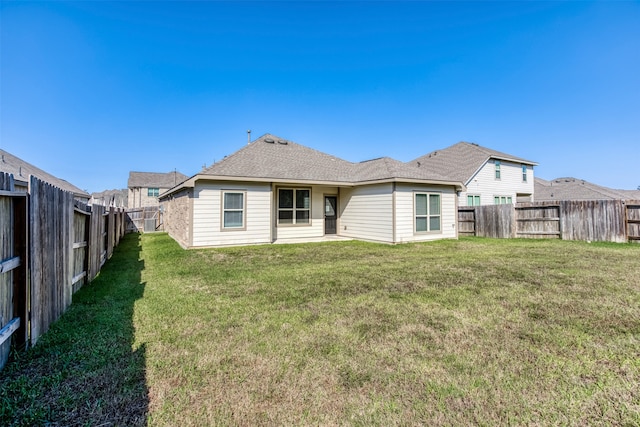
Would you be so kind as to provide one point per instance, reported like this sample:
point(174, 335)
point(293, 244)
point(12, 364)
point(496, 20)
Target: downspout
point(272, 213)
point(457, 203)
point(393, 212)
point(338, 214)
point(190, 197)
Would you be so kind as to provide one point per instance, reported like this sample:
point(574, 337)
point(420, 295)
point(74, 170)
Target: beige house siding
point(510, 183)
point(207, 214)
point(177, 217)
point(405, 213)
point(366, 212)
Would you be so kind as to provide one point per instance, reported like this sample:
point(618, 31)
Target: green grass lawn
point(466, 332)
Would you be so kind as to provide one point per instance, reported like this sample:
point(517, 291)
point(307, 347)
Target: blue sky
point(93, 90)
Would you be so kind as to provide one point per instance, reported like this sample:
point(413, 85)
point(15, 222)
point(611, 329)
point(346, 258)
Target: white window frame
point(429, 215)
point(498, 172)
point(153, 191)
point(475, 197)
point(524, 173)
point(294, 209)
point(502, 200)
point(224, 209)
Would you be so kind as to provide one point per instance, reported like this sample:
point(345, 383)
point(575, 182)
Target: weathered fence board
point(137, 219)
point(13, 260)
point(466, 221)
point(633, 221)
point(496, 221)
point(538, 222)
point(80, 244)
point(51, 214)
point(591, 220)
point(50, 245)
point(6, 254)
point(96, 241)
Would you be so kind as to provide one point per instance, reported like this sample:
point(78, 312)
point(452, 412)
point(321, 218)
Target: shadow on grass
point(86, 369)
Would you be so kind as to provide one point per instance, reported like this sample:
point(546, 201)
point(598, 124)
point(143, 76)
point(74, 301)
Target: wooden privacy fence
point(64, 244)
point(591, 220)
point(147, 219)
point(13, 262)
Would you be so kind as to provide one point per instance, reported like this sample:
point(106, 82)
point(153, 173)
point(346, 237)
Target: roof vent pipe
point(248, 136)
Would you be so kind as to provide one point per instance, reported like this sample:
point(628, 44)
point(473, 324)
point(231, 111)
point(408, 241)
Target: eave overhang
point(191, 182)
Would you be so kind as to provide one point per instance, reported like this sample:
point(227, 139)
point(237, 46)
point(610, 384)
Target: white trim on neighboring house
point(476, 199)
point(501, 199)
point(484, 184)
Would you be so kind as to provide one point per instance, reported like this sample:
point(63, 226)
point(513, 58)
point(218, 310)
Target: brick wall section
point(177, 217)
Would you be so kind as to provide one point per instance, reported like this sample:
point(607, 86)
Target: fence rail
point(591, 220)
point(50, 245)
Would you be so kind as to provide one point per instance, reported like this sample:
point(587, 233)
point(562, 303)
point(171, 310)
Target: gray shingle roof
point(21, 171)
point(155, 179)
point(271, 157)
point(461, 161)
point(578, 189)
point(386, 168)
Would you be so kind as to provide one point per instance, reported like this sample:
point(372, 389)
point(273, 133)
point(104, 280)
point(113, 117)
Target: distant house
point(21, 171)
point(117, 198)
point(578, 189)
point(490, 177)
point(274, 190)
point(145, 187)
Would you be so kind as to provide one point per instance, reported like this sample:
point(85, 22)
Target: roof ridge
point(601, 189)
point(12, 161)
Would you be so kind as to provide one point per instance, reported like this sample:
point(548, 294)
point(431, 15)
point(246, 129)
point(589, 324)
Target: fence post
point(20, 282)
point(514, 221)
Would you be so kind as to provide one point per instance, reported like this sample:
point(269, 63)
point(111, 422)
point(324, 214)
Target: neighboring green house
point(145, 187)
point(21, 171)
point(274, 190)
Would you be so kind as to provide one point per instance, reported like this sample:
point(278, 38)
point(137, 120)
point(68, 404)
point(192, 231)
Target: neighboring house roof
point(631, 194)
point(271, 157)
point(21, 171)
point(463, 160)
point(155, 179)
point(110, 198)
point(578, 189)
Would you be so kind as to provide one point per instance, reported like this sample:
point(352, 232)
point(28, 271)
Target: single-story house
point(145, 187)
point(21, 171)
point(490, 176)
point(274, 190)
